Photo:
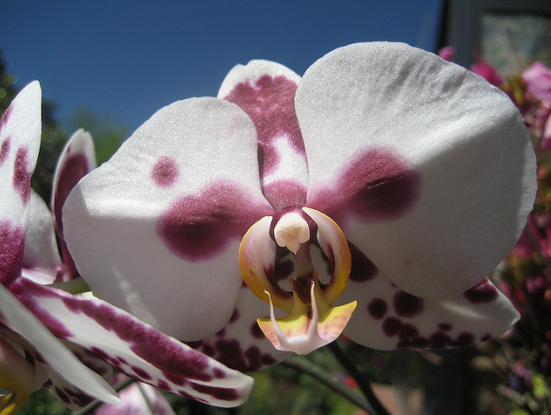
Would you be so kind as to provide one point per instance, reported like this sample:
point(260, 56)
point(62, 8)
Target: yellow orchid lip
point(312, 321)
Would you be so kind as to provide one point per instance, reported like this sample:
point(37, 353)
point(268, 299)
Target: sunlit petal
point(424, 165)
point(169, 209)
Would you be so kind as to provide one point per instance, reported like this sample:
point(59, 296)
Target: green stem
point(305, 366)
point(363, 382)
point(77, 286)
point(94, 405)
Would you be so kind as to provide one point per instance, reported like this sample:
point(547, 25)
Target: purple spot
point(267, 360)
point(439, 340)
point(141, 373)
point(22, 174)
point(165, 171)
point(483, 292)
point(391, 326)
point(407, 305)
point(223, 394)
point(377, 185)
point(407, 331)
point(62, 395)
point(234, 316)
point(420, 342)
point(255, 331)
point(122, 360)
point(198, 227)
point(464, 339)
point(6, 116)
point(285, 194)
point(4, 150)
point(219, 373)
point(12, 244)
point(163, 385)
point(269, 101)
point(362, 268)
point(445, 326)
point(377, 308)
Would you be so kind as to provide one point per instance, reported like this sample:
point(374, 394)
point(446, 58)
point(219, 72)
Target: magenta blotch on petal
point(165, 171)
point(12, 242)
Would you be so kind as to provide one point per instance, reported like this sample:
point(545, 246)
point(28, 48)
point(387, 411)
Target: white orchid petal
point(425, 166)
point(41, 260)
point(389, 318)
point(19, 319)
point(20, 129)
point(169, 209)
point(134, 348)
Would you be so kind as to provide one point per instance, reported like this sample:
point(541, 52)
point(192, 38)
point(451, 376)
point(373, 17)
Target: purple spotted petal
point(77, 159)
point(41, 261)
point(266, 91)
point(388, 318)
point(132, 347)
point(49, 349)
point(20, 129)
point(241, 345)
point(427, 168)
point(156, 229)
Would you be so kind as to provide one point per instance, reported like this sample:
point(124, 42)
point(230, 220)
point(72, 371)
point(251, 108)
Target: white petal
point(41, 259)
point(156, 229)
point(20, 129)
point(15, 316)
point(389, 318)
point(134, 348)
point(425, 166)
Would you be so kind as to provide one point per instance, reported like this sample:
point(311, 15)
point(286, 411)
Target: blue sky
point(130, 58)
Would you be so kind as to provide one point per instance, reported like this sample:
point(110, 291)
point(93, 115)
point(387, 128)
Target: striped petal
point(132, 347)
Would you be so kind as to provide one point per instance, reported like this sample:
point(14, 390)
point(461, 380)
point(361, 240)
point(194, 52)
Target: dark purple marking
point(163, 385)
point(198, 227)
point(162, 352)
point(6, 116)
point(407, 331)
point(75, 167)
point(284, 195)
point(378, 184)
point(122, 360)
point(234, 317)
point(269, 101)
point(362, 268)
point(483, 292)
point(391, 326)
point(218, 373)
point(420, 342)
point(12, 244)
point(165, 171)
point(377, 308)
point(439, 340)
point(5, 150)
point(407, 305)
point(62, 395)
point(486, 337)
point(464, 339)
point(445, 326)
point(141, 373)
point(255, 331)
point(222, 394)
point(22, 174)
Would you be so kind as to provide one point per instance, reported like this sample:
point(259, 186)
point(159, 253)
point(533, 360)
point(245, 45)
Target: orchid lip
point(312, 321)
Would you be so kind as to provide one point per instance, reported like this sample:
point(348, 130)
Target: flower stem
point(376, 407)
point(303, 365)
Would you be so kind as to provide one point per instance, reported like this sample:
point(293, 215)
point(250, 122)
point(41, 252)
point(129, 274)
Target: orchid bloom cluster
point(369, 198)
point(71, 343)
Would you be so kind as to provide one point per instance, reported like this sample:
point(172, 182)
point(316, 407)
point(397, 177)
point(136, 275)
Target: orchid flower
point(61, 341)
point(538, 84)
point(370, 197)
